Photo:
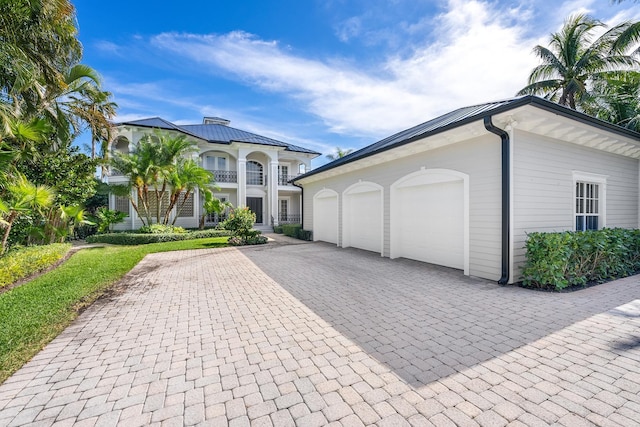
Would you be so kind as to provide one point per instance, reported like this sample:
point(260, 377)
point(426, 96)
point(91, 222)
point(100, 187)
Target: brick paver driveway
point(311, 335)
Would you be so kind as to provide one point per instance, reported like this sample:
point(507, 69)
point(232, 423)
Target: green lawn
point(33, 314)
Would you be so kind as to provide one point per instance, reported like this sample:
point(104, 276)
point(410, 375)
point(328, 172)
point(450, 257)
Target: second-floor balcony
point(284, 179)
point(225, 176)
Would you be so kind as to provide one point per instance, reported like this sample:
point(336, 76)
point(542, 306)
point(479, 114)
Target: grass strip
point(33, 314)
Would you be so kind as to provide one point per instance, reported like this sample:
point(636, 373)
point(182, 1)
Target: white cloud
point(479, 59)
point(482, 51)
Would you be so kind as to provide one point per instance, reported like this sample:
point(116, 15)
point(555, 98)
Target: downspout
point(301, 204)
point(506, 199)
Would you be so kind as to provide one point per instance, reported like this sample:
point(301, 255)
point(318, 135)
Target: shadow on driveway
point(426, 322)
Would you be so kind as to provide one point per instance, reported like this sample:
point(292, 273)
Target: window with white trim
point(254, 173)
point(587, 206)
point(216, 163)
point(283, 211)
point(589, 196)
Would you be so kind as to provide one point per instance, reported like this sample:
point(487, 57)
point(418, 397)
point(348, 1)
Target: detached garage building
point(464, 189)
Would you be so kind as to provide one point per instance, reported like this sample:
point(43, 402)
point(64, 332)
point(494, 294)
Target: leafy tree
point(68, 171)
point(572, 61)
point(339, 153)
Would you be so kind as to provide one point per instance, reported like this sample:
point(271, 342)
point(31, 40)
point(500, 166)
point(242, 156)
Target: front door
point(255, 205)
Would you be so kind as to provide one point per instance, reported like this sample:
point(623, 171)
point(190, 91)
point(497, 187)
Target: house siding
point(544, 193)
point(479, 158)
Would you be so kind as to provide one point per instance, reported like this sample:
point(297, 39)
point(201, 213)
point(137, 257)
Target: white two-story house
point(250, 170)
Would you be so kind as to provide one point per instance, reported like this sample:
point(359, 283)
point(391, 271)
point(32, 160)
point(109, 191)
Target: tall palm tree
point(78, 102)
point(149, 167)
point(94, 108)
point(184, 180)
point(572, 61)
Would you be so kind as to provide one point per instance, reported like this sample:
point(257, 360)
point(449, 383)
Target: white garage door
point(362, 218)
point(325, 217)
point(428, 222)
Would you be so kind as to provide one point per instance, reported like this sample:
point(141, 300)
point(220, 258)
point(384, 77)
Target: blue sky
point(320, 74)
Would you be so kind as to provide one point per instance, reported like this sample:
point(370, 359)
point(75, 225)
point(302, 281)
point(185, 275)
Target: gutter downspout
point(301, 204)
point(506, 196)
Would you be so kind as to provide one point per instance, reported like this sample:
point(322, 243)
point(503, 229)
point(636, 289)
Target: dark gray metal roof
point(217, 134)
point(461, 117)
point(226, 135)
point(153, 122)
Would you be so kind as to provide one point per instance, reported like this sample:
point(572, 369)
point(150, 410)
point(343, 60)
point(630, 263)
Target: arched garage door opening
point(430, 218)
point(325, 216)
point(362, 217)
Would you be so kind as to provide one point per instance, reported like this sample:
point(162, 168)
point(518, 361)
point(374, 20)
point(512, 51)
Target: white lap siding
point(544, 187)
point(479, 158)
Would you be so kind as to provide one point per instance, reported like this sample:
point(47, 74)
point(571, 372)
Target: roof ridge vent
point(215, 121)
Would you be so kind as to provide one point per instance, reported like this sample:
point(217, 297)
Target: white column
point(273, 191)
point(242, 182)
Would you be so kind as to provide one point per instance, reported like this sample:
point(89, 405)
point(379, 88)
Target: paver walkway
point(312, 335)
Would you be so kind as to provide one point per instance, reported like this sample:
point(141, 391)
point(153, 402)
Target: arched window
point(255, 175)
point(122, 145)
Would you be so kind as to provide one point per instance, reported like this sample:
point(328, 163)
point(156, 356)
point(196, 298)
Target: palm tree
point(149, 168)
point(38, 43)
point(573, 61)
point(96, 110)
point(184, 180)
point(617, 100)
point(22, 197)
point(211, 204)
point(340, 153)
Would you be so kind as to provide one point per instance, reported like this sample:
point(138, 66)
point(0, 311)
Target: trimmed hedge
point(561, 260)
point(143, 239)
point(296, 231)
point(161, 229)
point(291, 230)
point(23, 262)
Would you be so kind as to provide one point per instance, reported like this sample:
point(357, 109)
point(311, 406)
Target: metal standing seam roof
point(461, 117)
point(218, 133)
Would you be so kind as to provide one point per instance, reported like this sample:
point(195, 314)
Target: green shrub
point(240, 222)
point(161, 229)
point(296, 231)
point(305, 235)
point(254, 240)
point(291, 230)
point(142, 239)
point(105, 218)
point(561, 260)
point(277, 229)
point(20, 263)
